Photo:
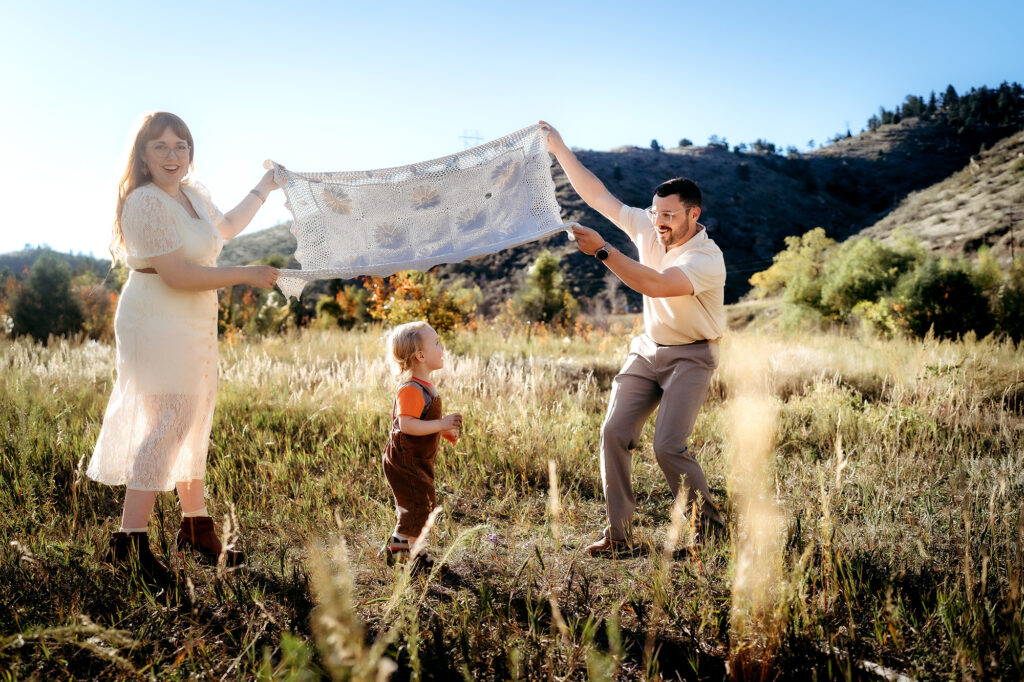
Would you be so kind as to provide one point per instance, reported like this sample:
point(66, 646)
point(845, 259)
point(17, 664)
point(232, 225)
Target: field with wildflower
point(873, 489)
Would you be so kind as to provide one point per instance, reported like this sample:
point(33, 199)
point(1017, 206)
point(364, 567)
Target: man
point(681, 274)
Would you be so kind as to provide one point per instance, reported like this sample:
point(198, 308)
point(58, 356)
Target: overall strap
point(427, 397)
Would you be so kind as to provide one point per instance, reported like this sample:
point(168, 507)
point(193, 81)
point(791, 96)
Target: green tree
point(1008, 308)
point(716, 142)
point(913, 106)
point(47, 305)
point(257, 311)
point(544, 297)
point(950, 98)
point(655, 146)
point(796, 270)
point(685, 142)
point(859, 270)
point(940, 295)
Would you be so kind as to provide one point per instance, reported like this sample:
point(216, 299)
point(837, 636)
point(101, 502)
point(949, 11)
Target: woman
point(156, 429)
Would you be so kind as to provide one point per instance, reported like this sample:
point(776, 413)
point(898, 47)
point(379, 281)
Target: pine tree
point(950, 99)
point(47, 305)
point(545, 297)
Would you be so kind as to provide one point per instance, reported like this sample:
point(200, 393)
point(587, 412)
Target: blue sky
point(348, 86)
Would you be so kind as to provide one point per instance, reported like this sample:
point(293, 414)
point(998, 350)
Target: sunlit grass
point(896, 469)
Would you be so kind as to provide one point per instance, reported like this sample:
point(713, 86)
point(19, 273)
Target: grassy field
point(873, 489)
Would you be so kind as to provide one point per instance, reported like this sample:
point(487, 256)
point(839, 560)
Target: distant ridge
point(752, 201)
point(970, 208)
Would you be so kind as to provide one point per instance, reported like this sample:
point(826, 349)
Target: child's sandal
point(394, 550)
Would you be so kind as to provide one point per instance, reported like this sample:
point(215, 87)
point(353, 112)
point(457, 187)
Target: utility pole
point(1011, 215)
point(470, 138)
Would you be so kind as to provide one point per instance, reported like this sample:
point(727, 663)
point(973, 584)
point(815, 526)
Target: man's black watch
point(602, 253)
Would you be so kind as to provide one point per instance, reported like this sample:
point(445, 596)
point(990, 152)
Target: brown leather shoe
point(607, 546)
point(709, 531)
point(128, 550)
point(197, 533)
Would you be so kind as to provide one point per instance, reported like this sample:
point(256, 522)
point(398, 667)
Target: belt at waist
point(148, 271)
point(677, 345)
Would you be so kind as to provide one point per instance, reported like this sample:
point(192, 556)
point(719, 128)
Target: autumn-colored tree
point(99, 303)
point(345, 308)
point(410, 295)
point(10, 288)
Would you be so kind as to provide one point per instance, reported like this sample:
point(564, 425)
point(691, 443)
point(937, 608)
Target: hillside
point(19, 262)
point(752, 200)
point(969, 208)
point(917, 166)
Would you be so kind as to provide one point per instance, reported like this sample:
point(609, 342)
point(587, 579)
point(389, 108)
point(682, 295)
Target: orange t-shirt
point(410, 403)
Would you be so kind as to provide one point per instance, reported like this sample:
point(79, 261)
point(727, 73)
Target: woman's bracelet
point(259, 196)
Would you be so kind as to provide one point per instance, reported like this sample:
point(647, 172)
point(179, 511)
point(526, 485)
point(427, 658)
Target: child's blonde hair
point(403, 343)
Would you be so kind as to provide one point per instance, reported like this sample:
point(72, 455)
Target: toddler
point(416, 425)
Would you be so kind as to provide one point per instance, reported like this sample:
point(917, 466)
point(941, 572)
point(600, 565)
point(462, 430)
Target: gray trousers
point(677, 377)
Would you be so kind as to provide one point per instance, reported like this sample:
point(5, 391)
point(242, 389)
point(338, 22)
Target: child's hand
point(452, 422)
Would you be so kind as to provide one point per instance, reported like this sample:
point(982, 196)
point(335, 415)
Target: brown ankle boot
point(197, 533)
point(132, 549)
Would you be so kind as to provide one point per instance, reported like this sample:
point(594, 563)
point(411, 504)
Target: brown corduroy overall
point(409, 469)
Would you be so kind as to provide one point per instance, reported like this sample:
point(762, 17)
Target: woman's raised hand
point(267, 182)
point(262, 276)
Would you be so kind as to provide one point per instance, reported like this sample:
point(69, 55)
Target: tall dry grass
point(873, 490)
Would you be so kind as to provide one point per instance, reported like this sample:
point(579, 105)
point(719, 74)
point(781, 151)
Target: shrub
point(1008, 307)
point(878, 317)
point(10, 289)
point(257, 311)
point(940, 295)
point(987, 275)
point(796, 269)
point(47, 305)
point(272, 316)
point(859, 270)
point(544, 297)
point(410, 295)
point(345, 308)
point(98, 307)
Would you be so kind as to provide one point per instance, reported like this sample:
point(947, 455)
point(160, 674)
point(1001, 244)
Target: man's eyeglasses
point(161, 149)
point(667, 215)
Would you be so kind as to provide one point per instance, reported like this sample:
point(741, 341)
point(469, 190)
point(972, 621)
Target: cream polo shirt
point(676, 320)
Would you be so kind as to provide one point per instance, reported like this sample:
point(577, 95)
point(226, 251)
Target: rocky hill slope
point(982, 204)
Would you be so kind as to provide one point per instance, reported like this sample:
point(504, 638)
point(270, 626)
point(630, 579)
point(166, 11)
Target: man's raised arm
point(583, 181)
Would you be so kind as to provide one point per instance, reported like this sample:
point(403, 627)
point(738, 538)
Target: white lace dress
point(156, 429)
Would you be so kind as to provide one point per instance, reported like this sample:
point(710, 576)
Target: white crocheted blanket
point(378, 222)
